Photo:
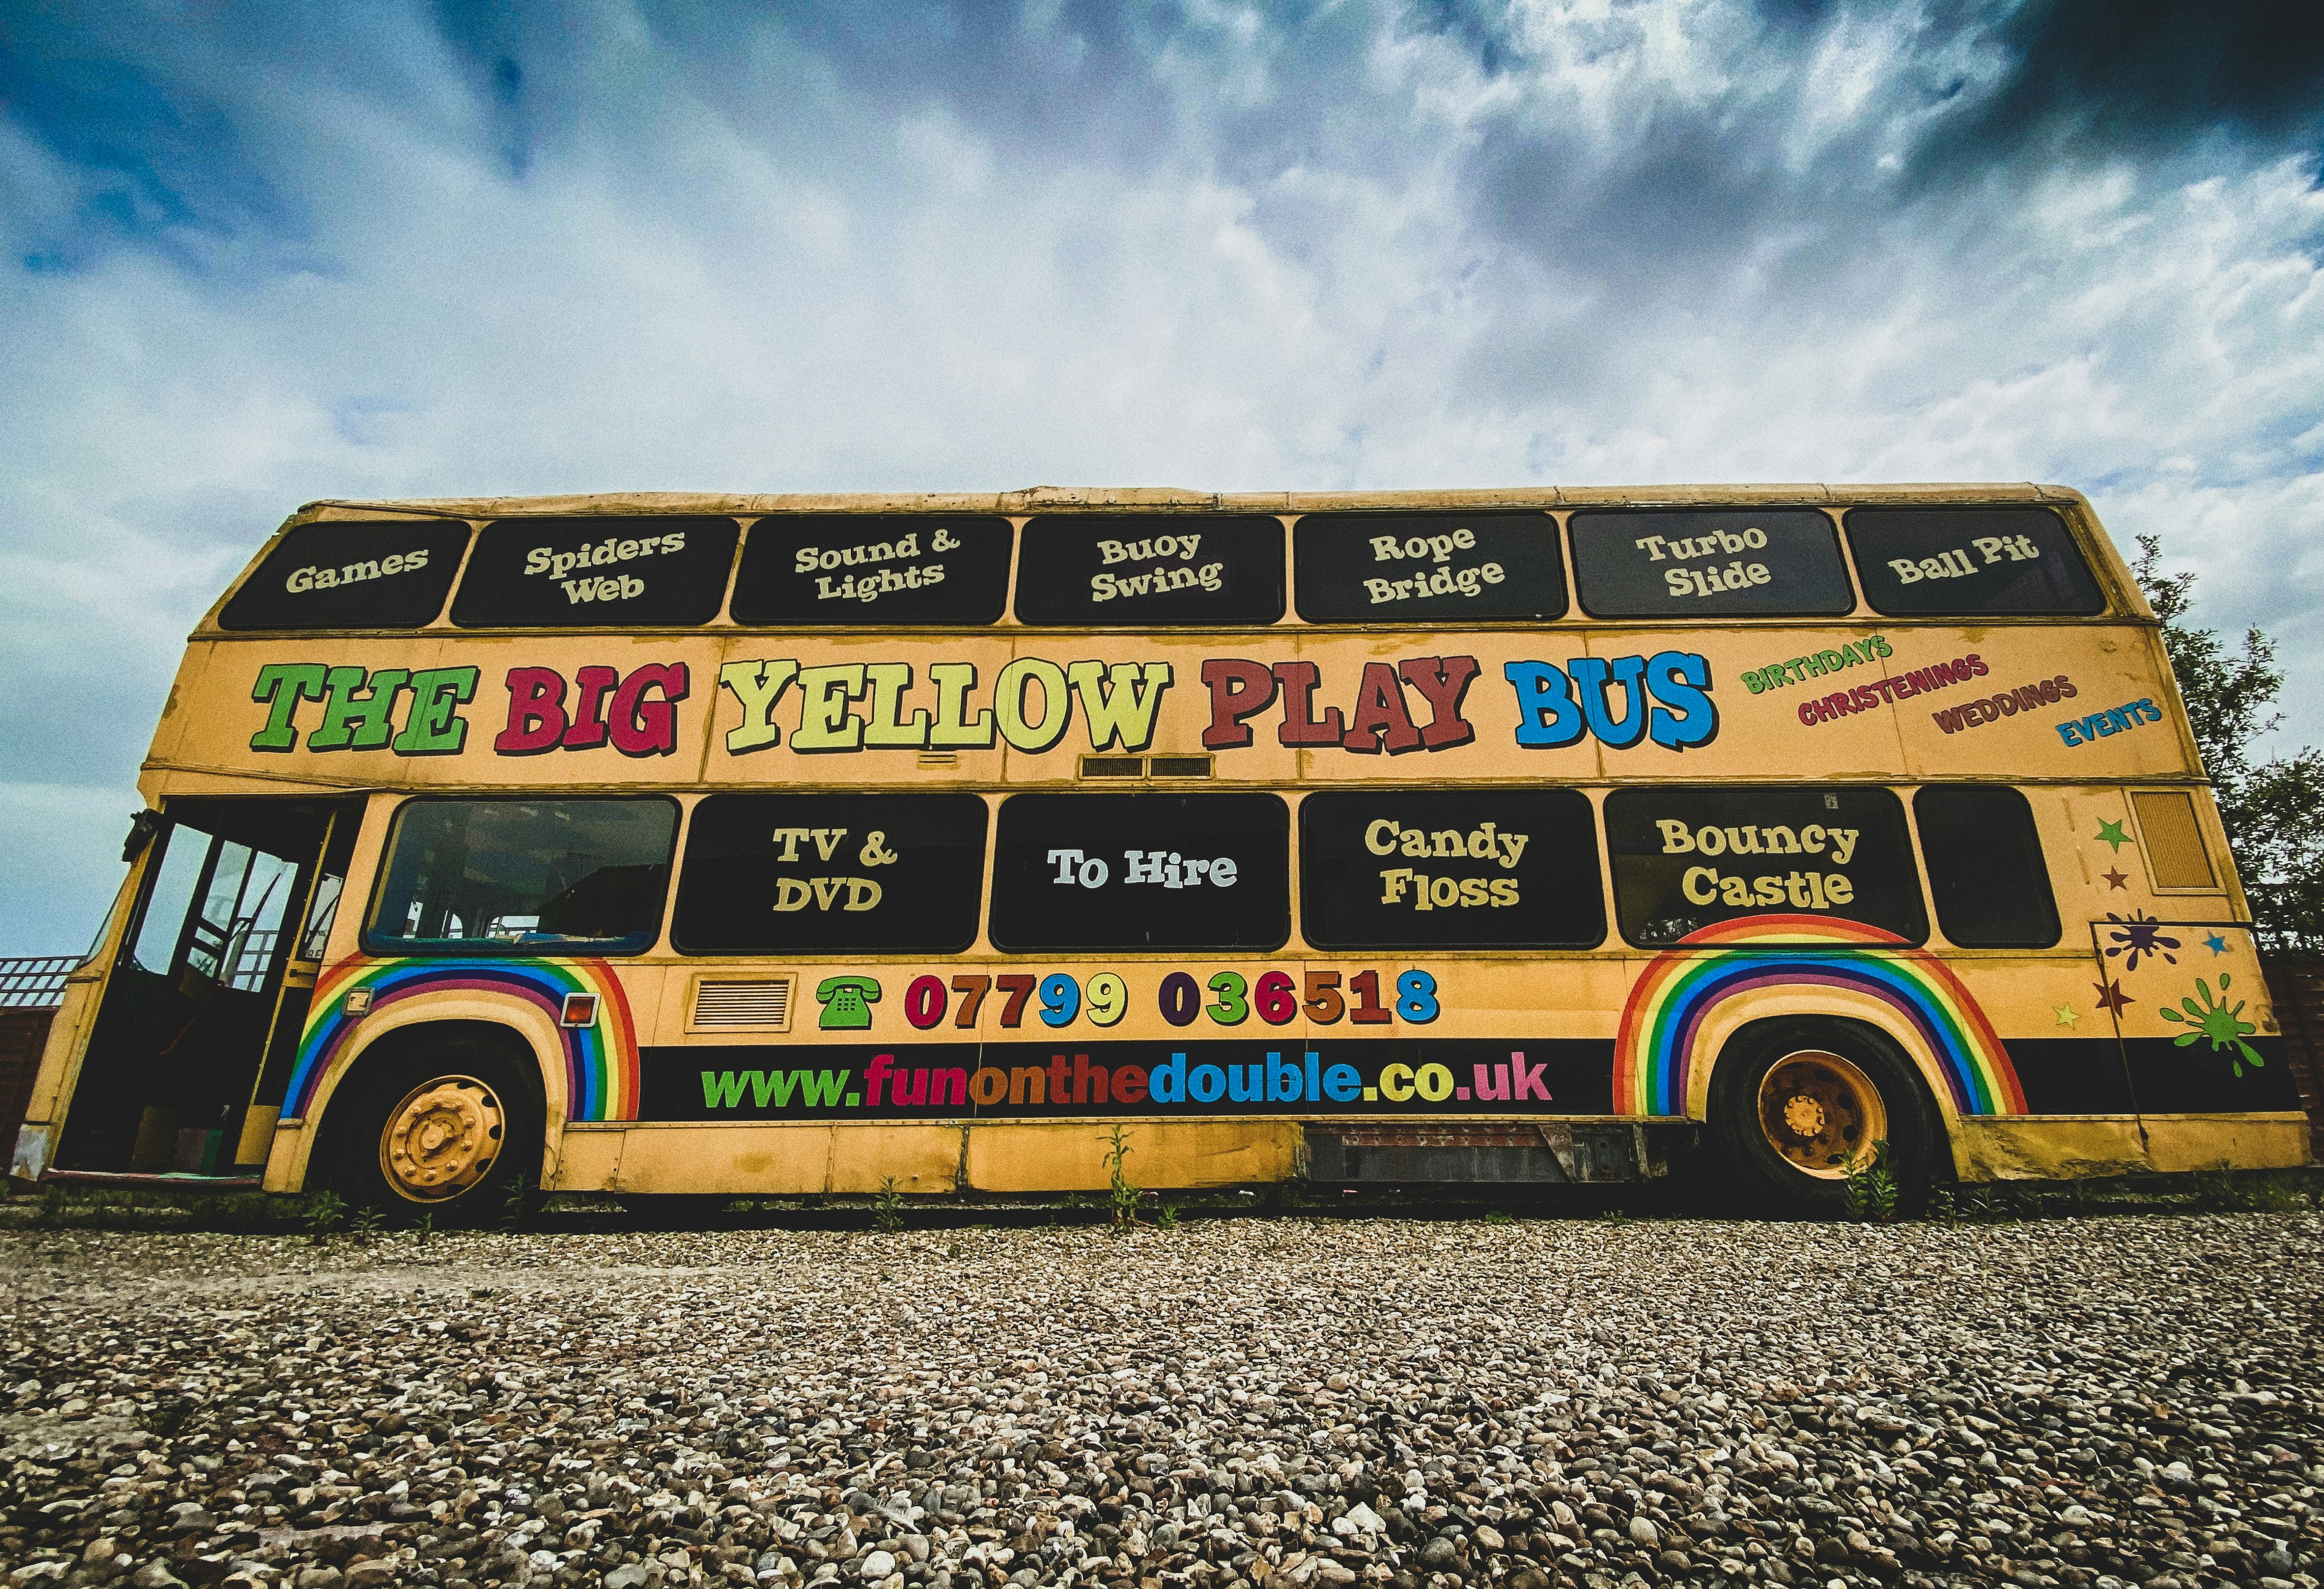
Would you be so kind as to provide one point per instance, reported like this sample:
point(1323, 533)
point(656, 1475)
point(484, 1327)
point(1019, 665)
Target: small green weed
point(888, 1207)
point(363, 1225)
point(2217, 1191)
point(327, 1216)
point(1870, 1193)
point(1500, 1217)
point(517, 1207)
point(1122, 1192)
point(1167, 1219)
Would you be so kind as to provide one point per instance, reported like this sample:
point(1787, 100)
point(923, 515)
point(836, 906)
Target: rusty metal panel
point(1554, 1153)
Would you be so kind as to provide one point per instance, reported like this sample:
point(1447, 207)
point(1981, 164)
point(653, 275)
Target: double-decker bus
point(711, 846)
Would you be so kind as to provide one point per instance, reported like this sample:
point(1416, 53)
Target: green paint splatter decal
point(2215, 1020)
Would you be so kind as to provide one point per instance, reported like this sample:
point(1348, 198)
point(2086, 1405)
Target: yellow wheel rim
point(1821, 1114)
point(441, 1138)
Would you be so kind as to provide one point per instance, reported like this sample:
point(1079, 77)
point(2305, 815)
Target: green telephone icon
point(847, 1003)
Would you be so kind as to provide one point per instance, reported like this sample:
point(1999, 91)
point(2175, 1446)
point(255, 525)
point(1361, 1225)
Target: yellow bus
point(712, 846)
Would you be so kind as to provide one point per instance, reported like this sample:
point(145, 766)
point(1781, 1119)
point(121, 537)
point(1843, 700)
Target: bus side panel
point(2245, 1142)
point(2048, 1147)
point(35, 1147)
point(1069, 1155)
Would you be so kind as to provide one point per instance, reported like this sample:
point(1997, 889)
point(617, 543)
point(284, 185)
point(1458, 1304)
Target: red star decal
point(2112, 998)
point(2115, 879)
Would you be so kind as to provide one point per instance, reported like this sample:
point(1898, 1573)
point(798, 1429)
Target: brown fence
point(22, 1034)
point(2295, 982)
point(30, 989)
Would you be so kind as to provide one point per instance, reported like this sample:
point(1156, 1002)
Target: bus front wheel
point(1798, 1108)
point(446, 1130)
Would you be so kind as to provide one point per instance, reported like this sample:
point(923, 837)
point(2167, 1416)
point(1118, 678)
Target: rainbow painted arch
point(601, 1059)
point(1655, 1050)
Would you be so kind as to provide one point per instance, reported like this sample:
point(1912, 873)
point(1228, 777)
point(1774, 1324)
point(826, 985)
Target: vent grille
point(2174, 840)
point(1181, 767)
point(764, 1002)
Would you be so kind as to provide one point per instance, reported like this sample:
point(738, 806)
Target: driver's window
point(320, 916)
point(184, 862)
point(216, 908)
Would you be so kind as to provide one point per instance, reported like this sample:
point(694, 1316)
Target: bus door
point(204, 1004)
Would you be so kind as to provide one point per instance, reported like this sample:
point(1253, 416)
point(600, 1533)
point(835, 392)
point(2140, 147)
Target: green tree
point(2272, 809)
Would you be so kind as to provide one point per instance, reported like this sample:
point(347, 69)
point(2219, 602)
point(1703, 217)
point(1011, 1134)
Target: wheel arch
point(1735, 1024)
point(524, 1032)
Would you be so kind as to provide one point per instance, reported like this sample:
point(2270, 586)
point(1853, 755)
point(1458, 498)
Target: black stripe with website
point(1342, 1078)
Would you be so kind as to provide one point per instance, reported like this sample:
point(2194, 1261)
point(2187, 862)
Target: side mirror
point(143, 827)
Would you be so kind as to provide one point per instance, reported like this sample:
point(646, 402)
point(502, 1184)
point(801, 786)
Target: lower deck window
point(1141, 871)
point(814, 873)
point(532, 876)
point(1513, 868)
point(1986, 870)
point(1688, 860)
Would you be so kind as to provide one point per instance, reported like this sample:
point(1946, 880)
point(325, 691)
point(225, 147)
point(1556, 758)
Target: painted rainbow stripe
point(601, 1059)
point(1654, 1051)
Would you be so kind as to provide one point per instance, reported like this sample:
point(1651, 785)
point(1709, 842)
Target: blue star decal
point(2216, 944)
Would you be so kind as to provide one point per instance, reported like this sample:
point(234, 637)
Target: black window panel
point(812, 874)
point(530, 876)
point(1108, 899)
point(1493, 568)
point(1505, 869)
point(1132, 570)
point(1986, 870)
point(1672, 847)
point(1971, 562)
point(372, 574)
point(868, 568)
point(1690, 563)
point(626, 572)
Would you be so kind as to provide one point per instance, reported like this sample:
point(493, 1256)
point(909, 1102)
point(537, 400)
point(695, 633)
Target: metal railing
point(34, 981)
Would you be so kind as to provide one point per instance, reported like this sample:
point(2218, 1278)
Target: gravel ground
point(1217, 1407)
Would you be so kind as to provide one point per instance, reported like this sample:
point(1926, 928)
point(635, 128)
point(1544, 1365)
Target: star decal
point(2112, 998)
point(2067, 1017)
point(2111, 833)
point(2115, 879)
point(2216, 944)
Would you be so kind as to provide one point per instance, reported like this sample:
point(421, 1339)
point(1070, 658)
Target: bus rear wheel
point(1799, 1107)
point(447, 1131)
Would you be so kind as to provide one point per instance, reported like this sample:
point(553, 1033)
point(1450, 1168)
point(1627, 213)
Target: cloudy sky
point(261, 254)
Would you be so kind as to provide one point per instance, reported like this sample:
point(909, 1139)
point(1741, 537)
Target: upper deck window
point(1690, 563)
point(820, 874)
point(1970, 563)
point(621, 572)
point(871, 568)
point(340, 573)
point(1138, 570)
point(532, 876)
point(1482, 568)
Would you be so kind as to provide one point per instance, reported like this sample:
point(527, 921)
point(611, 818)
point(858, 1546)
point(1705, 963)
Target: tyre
point(1797, 1106)
point(446, 1128)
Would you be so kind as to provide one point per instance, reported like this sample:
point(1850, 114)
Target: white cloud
point(1654, 242)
